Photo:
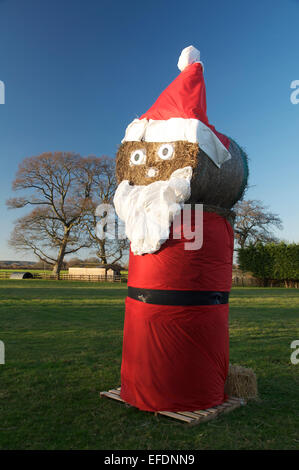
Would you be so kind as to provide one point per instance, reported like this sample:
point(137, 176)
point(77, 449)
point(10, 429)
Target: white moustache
point(148, 211)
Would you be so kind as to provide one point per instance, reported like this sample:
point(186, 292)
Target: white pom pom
point(188, 56)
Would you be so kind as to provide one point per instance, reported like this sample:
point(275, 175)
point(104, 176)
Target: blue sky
point(77, 72)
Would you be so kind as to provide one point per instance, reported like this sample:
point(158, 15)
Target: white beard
point(148, 211)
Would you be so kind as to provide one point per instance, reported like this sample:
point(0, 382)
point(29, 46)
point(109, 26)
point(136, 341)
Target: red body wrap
point(175, 358)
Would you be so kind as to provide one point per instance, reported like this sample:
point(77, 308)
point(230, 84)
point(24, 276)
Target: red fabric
point(176, 358)
point(185, 98)
point(174, 268)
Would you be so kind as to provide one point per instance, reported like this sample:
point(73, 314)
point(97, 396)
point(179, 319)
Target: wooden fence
point(47, 275)
point(238, 280)
point(244, 281)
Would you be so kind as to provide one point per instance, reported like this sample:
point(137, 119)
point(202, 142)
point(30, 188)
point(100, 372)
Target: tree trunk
point(59, 261)
point(101, 253)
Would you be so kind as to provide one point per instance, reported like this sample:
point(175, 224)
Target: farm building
point(107, 272)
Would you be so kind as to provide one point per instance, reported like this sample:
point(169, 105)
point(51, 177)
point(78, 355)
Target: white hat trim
point(173, 129)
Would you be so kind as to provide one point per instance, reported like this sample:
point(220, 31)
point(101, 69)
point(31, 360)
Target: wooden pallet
point(190, 417)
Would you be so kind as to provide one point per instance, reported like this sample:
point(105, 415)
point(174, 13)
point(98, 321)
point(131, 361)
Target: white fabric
point(188, 56)
point(173, 129)
point(148, 211)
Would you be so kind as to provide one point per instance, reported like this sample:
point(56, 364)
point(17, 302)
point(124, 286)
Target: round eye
point(165, 151)
point(137, 157)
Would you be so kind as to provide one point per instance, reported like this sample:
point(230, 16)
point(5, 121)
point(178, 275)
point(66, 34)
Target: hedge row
point(272, 262)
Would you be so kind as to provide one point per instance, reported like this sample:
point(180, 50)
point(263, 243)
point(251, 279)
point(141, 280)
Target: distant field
point(31, 270)
point(63, 346)
point(63, 271)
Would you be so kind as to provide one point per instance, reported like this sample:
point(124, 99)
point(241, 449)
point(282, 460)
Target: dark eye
point(138, 157)
point(165, 151)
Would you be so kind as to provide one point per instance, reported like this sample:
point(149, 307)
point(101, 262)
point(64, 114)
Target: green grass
point(63, 346)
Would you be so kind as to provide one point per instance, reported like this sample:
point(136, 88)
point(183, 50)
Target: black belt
point(178, 297)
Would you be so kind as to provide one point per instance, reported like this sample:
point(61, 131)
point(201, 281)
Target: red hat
point(180, 113)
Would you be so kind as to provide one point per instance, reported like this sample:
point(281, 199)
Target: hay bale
point(241, 382)
point(210, 185)
point(19, 275)
point(224, 186)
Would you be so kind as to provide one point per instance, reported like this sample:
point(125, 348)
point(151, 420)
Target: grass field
point(63, 345)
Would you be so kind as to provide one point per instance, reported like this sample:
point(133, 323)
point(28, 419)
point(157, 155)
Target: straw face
point(142, 163)
point(162, 159)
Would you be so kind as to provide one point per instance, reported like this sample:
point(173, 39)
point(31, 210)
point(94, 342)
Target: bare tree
point(53, 184)
point(109, 247)
point(45, 236)
point(254, 223)
point(64, 190)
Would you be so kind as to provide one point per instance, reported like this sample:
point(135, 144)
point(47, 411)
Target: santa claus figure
point(172, 162)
